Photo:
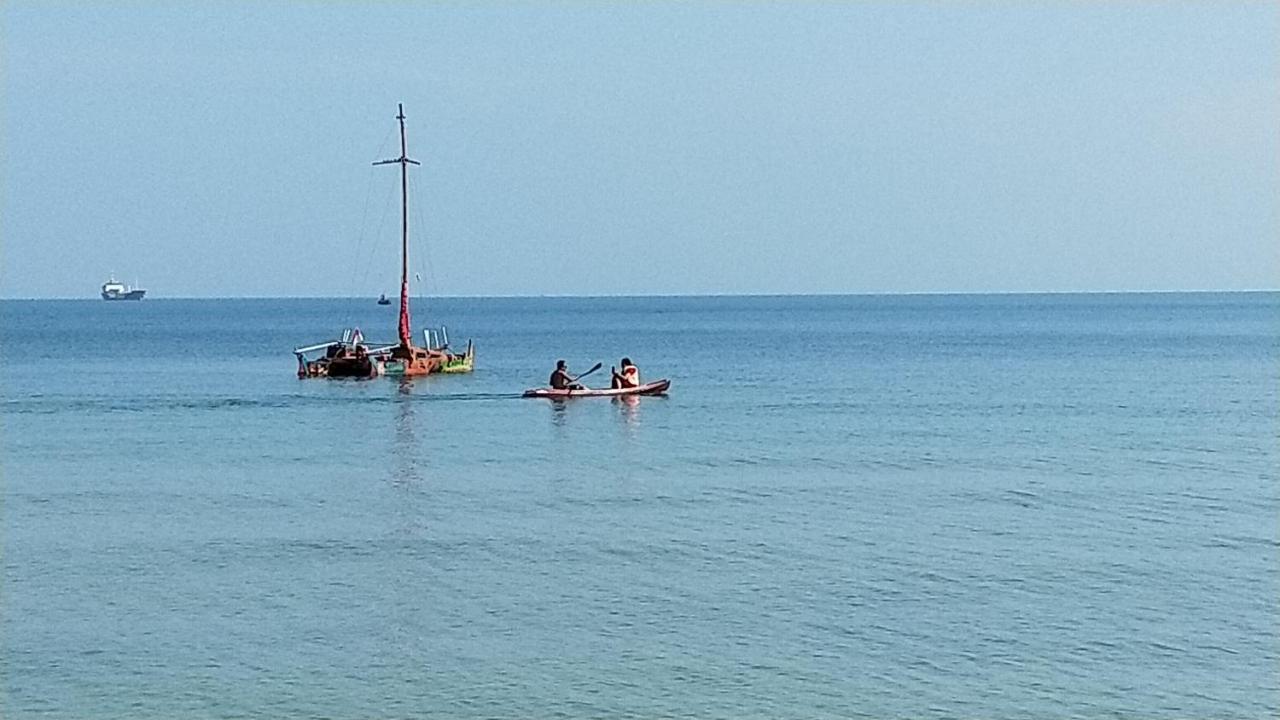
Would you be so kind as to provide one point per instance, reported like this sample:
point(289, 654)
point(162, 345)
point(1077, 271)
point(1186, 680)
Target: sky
point(583, 148)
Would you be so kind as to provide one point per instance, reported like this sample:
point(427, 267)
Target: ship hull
point(131, 295)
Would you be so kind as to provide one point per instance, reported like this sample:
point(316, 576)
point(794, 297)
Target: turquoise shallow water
point(921, 506)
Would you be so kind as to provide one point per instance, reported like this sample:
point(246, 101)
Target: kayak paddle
point(594, 368)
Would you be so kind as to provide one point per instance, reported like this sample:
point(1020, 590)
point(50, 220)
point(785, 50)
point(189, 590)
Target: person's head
point(626, 362)
point(560, 365)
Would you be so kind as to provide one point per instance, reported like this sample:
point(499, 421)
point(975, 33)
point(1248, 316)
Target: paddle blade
point(594, 368)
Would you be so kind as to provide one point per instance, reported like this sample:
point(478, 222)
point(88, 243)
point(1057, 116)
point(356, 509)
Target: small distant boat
point(657, 387)
point(112, 290)
point(351, 357)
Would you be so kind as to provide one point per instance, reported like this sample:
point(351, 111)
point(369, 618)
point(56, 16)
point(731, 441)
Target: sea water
point(895, 506)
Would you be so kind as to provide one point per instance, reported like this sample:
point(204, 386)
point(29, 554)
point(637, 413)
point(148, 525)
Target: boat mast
point(406, 333)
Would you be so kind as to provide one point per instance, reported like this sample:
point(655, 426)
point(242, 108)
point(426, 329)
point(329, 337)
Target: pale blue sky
point(217, 149)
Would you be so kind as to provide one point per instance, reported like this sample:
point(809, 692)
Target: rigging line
point(423, 261)
point(416, 236)
point(362, 261)
point(430, 253)
point(382, 235)
point(427, 286)
point(364, 264)
point(358, 256)
point(378, 245)
point(364, 254)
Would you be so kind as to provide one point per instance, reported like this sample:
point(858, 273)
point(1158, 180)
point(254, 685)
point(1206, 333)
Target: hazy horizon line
point(517, 296)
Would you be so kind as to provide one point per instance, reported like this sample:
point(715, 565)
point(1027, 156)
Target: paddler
point(629, 377)
point(560, 378)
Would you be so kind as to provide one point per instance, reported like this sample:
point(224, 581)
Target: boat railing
point(436, 339)
point(313, 348)
point(349, 338)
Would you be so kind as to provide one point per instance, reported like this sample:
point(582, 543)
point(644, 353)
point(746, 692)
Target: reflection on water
point(559, 412)
point(628, 407)
point(406, 469)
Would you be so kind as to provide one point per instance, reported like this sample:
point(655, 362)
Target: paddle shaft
point(594, 368)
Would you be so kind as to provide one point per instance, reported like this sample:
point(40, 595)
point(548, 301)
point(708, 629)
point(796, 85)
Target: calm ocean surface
point(914, 506)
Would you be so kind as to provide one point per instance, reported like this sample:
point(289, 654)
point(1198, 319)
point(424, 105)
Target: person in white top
point(629, 377)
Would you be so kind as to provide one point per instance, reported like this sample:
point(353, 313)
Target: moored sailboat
point(351, 357)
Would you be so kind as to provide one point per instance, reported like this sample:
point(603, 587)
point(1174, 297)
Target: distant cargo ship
point(112, 290)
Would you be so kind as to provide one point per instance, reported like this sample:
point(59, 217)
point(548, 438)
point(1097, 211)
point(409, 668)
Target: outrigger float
point(352, 357)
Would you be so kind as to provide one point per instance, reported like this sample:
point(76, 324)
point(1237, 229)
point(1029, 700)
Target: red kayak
point(657, 387)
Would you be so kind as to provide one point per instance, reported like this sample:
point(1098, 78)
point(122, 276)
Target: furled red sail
point(406, 332)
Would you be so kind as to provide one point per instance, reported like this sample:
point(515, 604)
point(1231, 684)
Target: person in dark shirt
point(561, 380)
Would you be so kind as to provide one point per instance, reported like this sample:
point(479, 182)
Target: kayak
point(657, 387)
